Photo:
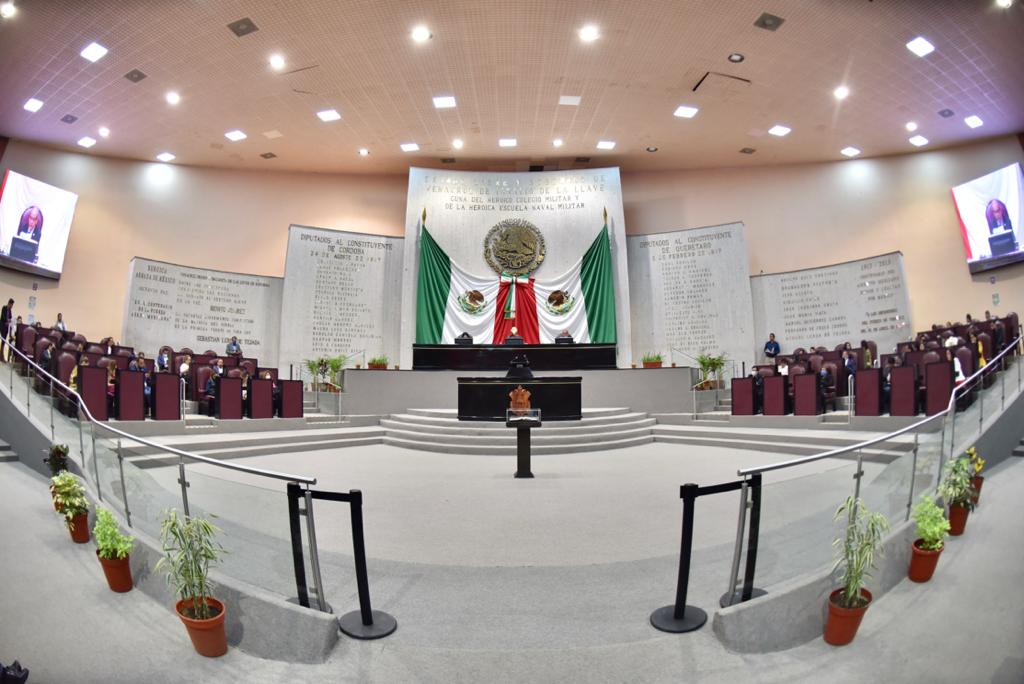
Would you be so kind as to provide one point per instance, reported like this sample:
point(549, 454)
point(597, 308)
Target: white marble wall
point(689, 292)
point(342, 295)
point(567, 207)
point(199, 308)
point(866, 299)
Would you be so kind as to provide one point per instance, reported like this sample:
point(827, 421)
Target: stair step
point(449, 448)
point(483, 428)
point(452, 414)
point(508, 438)
point(452, 423)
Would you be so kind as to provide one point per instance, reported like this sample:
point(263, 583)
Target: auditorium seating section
point(82, 365)
point(922, 384)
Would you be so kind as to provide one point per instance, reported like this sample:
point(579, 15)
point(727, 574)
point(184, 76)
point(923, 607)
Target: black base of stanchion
point(352, 625)
point(519, 473)
point(737, 597)
point(664, 619)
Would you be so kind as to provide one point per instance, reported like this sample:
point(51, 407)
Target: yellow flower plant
point(977, 462)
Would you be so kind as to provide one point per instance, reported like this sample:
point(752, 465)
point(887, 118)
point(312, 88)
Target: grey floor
point(524, 613)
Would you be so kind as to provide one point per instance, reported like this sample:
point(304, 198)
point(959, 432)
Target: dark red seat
point(202, 374)
point(828, 392)
point(815, 361)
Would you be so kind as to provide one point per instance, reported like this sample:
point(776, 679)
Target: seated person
point(825, 383)
point(563, 338)
point(958, 370)
point(210, 391)
point(73, 378)
point(186, 363)
point(147, 392)
point(138, 363)
point(163, 360)
point(890, 363)
point(976, 344)
point(46, 357)
point(111, 382)
point(868, 361)
point(218, 368)
point(233, 348)
point(244, 377)
point(59, 324)
point(783, 367)
point(951, 341)
point(514, 338)
point(771, 347)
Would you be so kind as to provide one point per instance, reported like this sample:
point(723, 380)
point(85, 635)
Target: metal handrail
point(161, 447)
point(957, 391)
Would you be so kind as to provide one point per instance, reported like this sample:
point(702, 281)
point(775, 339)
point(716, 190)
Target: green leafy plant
point(335, 364)
point(112, 544)
point(57, 459)
point(932, 526)
point(381, 360)
point(857, 549)
point(69, 494)
point(710, 364)
point(651, 357)
point(956, 488)
point(189, 551)
point(312, 365)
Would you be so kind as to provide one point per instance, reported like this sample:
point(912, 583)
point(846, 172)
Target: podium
point(938, 379)
point(868, 399)
point(291, 398)
point(259, 400)
point(227, 405)
point(129, 396)
point(806, 395)
point(1001, 244)
point(743, 396)
point(23, 249)
point(775, 395)
point(903, 391)
point(166, 403)
point(92, 386)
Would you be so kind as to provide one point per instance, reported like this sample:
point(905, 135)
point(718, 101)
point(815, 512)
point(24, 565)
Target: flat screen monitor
point(990, 218)
point(35, 221)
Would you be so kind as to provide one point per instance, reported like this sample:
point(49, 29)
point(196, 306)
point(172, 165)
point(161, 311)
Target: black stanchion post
point(749, 590)
point(296, 533)
point(523, 468)
point(364, 623)
point(680, 617)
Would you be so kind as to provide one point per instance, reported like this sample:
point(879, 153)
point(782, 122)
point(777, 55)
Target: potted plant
point(112, 551)
point(651, 360)
point(710, 365)
point(855, 558)
point(977, 479)
point(189, 550)
point(69, 496)
point(335, 364)
point(378, 363)
point(932, 528)
point(57, 460)
point(956, 490)
point(313, 366)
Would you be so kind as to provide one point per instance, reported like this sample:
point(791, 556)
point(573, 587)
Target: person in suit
point(782, 367)
point(825, 383)
point(138, 363)
point(233, 348)
point(211, 387)
point(31, 224)
point(771, 347)
point(850, 363)
point(218, 368)
point(514, 338)
point(6, 314)
point(59, 323)
point(563, 338)
point(163, 360)
point(890, 363)
point(46, 358)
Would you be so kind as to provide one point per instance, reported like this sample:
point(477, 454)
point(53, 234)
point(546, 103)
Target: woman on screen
point(995, 214)
point(31, 223)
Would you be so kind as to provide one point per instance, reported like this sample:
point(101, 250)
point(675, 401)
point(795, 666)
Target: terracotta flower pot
point(118, 573)
point(922, 562)
point(80, 528)
point(377, 366)
point(842, 623)
point(957, 520)
point(208, 636)
point(652, 364)
point(976, 482)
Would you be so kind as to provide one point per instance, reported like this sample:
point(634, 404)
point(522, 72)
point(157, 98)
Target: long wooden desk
point(499, 356)
point(487, 398)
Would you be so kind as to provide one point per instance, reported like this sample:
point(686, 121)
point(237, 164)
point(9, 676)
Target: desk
point(774, 395)
point(499, 356)
point(92, 385)
point(291, 398)
point(227, 405)
point(259, 400)
point(129, 398)
point(938, 380)
point(487, 398)
point(806, 395)
point(166, 404)
point(903, 391)
point(743, 401)
point(868, 395)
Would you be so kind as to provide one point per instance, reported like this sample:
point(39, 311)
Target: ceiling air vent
point(447, 160)
point(243, 27)
point(769, 22)
point(582, 160)
point(945, 113)
point(69, 118)
point(135, 75)
point(748, 150)
point(268, 155)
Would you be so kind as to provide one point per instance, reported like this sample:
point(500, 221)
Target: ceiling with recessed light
point(484, 71)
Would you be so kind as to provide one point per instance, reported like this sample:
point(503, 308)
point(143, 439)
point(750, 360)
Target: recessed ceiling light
point(685, 112)
point(235, 135)
point(557, 142)
point(918, 141)
point(87, 141)
point(946, 113)
point(569, 100)
point(911, 126)
point(589, 33)
point(841, 93)
point(363, 152)
point(165, 156)
point(69, 118)
point(172, 97)
point(652, 149)
point(421, 34)
point(410, 147)
point(93, 52)
point(973, 121)
point(270, 135)
point(457, 143)
point(33, 105)
point(606, 144)
point(329, 115)
point(748, 150)
point(849, 151)
point(276, 61)
point(8, 10)
point(507, 142)
point(444, 102)
point(920, 47)
point(736, 57)
point(1005, 4)
point(779, 130)
point(104, 132)
point(268, 155)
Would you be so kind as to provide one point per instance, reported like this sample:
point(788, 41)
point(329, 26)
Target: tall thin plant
point(189, 551)
point(857, 549)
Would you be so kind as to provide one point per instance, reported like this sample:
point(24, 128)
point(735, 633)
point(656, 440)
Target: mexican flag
point(450, 300)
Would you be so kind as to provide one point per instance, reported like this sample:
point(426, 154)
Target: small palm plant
point(857, 549)
point(189, 551)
